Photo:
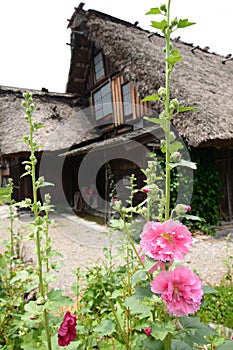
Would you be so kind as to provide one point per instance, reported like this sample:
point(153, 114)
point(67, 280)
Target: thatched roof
point(202, 79)
point(65, 124)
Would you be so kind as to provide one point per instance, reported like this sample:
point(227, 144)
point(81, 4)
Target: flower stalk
point(167, 117)
point(35, 206)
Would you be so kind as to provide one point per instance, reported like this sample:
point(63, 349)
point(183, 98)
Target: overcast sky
point(34, 34)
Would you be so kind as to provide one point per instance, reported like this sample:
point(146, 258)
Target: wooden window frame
point(98, 78)
point(127, 116)
point(108, 116)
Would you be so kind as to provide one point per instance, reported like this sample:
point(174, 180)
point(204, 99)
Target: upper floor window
point(127, 100)
point(103, 101)
point(99, 66)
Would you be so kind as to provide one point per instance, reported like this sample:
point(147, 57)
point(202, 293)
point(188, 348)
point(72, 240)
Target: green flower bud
point(162, 93)
point(163, 8)
point(174, 105)
point(174, 22)
point(175, 157)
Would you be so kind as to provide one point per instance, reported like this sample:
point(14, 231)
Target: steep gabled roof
point(65, 124)
point(202, 79)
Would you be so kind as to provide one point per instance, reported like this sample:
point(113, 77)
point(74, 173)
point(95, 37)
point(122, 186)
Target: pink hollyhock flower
point(145, 189)
point(181, 290)
point(148, 331)
point(166, 241)
point(67, 330)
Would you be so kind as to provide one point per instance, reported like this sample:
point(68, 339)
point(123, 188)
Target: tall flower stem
point(167, 120)
point(35, 208)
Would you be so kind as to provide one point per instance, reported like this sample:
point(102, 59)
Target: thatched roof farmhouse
point(110, 53)
point(202, 79)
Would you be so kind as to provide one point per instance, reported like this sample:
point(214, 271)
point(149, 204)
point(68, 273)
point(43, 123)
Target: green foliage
point(207, 188)
point(4, 195)
point(217, 308)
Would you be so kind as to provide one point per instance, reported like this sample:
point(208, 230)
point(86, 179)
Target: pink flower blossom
point(188, 208)
point(67, 330)
point(181, 290)
point(145, 189)
point(148, 331)
point(166, 241)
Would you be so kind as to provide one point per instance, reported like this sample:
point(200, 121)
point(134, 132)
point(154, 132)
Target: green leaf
point(226, 346)
point(153, 97)
point(174, 60)
point(57, 298)
point(117, 293)
point(183, 162)
point(106, 327)
point(139, 276)
point(183, 23)
point(159, 25)
point(44, 184)
point(192, 217)
point(143, 292)
point(154, 11)
point(117, 224)
point(207, 290)
point(161, 330)
point(194, 331)
point(137, 306)
point(185, 109)
point(175, 146)
point(178, 345)
point(152, 344)
point(3, 262)
point(155, 120)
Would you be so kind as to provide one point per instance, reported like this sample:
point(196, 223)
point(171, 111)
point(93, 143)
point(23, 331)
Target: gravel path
point(81, 243)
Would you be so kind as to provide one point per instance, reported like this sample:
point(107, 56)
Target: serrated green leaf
point(154, 11)
point(183, 23)
point(161, 330)
point(137, 306)
point(56, 297)
point(117, 224)
point(106, 327)
point(175, 146)
point(153, 97)
point(194, 331)
point(159, 25)
point(116, 294)
point(139, 276)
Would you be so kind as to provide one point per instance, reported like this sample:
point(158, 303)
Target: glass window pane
point(127, 99)
point(103, 101)
point(99, 66)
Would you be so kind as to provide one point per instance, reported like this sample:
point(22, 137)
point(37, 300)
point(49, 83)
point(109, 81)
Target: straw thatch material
point(200, 80)
point(65, 124)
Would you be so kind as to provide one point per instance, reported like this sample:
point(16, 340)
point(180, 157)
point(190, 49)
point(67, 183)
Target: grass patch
point(4, 195)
